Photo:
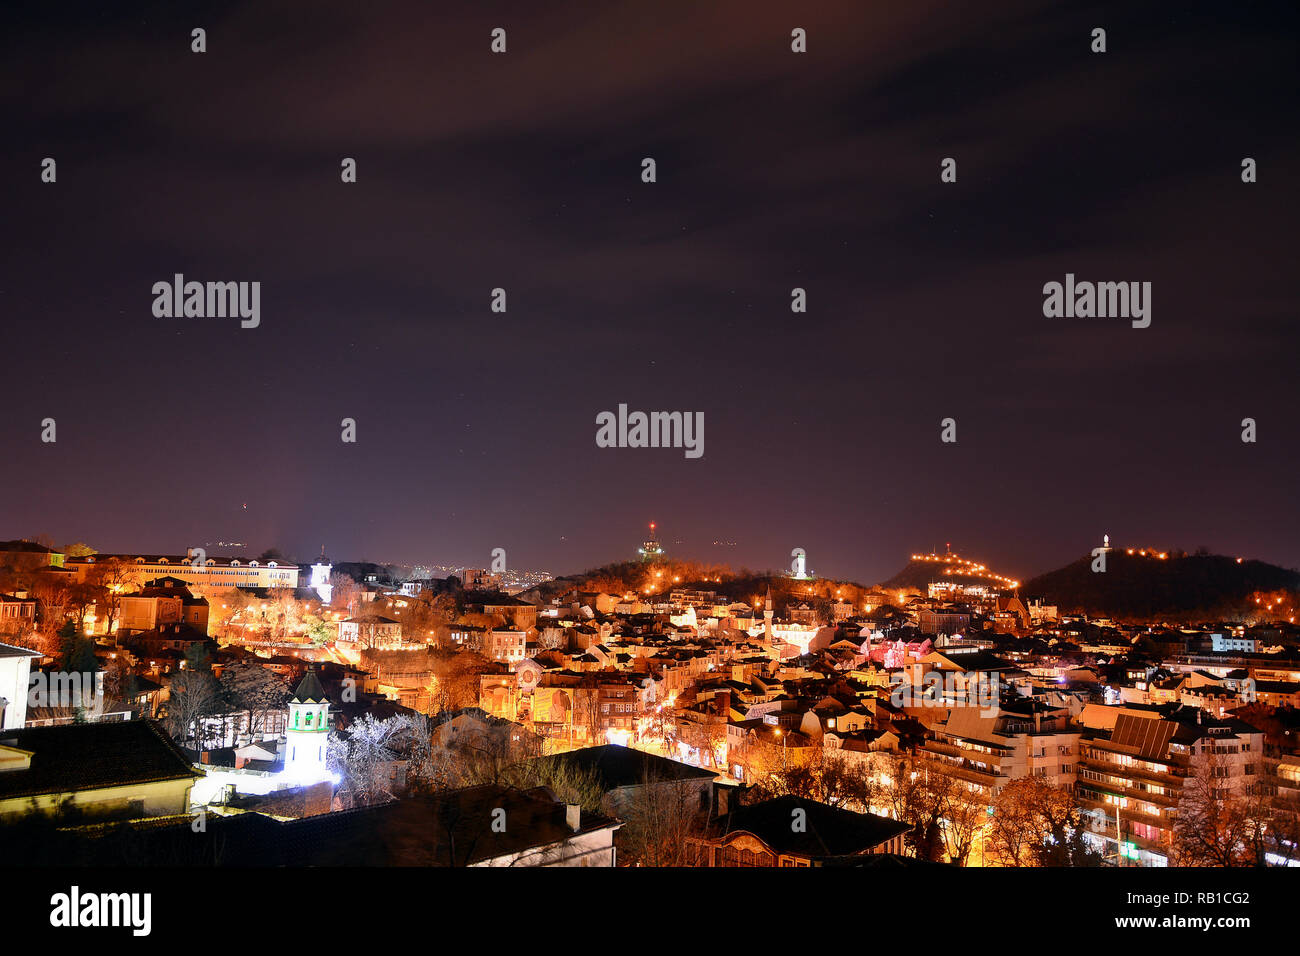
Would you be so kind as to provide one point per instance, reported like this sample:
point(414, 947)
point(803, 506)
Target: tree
point(1015, 830)
point(319, 631)
point(657, 820)
point(1214, 826)
point(566, 779)
point(905, 793)
point(944, 813)
point(76, 651)
point(424, 618)
point(81, 598)
point(112, 578)
point(346, 593)
point(228, 610)
point(962, 813)
point(374, 756)
point(193, 695)
point(586, 712)
point(55, 595)
point(828, 777)
point(197, 657)
point(121, 686)
point(1037, 824)
point(1281, 835)
point(456, 678)
point(249, 686)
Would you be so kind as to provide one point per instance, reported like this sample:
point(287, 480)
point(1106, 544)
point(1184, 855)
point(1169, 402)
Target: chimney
point(573, 816)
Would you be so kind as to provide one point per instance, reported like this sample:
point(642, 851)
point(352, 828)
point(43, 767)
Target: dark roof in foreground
point(448, 829)
point(72, 757)
point(620, 766)
point(829, 831)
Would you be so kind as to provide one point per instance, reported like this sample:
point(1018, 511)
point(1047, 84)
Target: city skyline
point(820, 171)
point(891, 563)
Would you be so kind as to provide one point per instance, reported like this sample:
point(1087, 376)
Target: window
point(731, 856)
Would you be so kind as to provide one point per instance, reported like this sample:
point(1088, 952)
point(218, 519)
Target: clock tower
point(307, 732)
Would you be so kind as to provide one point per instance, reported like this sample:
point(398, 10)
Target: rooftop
point(90, 756)
point(829, 831)
point(620, 766)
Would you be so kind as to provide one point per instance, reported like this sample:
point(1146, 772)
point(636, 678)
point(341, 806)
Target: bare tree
point(907, 797)
point(1018, 827)
point(1214, 826)
point(346, 594)
point(827, 777)
point(569, 782)
point(456, 678)
point(55, 594)
point(379, 759)
point(961, 813)
point(250, 686)
point(113, 577)
point(193, 695)
point(658, 819)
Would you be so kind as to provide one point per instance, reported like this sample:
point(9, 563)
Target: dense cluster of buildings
point(279, 709)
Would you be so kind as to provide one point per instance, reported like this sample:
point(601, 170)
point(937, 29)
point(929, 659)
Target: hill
point(663, 577)
point(926, 569)
point(1176, 587)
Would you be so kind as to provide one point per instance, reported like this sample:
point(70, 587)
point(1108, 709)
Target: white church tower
point(307, 732)
point(320, 578)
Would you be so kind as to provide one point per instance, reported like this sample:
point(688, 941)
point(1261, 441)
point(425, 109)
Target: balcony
point(1092, 797)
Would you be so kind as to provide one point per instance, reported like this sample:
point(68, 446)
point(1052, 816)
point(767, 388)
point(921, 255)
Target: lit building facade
point(207, 572)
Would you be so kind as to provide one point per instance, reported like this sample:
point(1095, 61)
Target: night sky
point(775, 170)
